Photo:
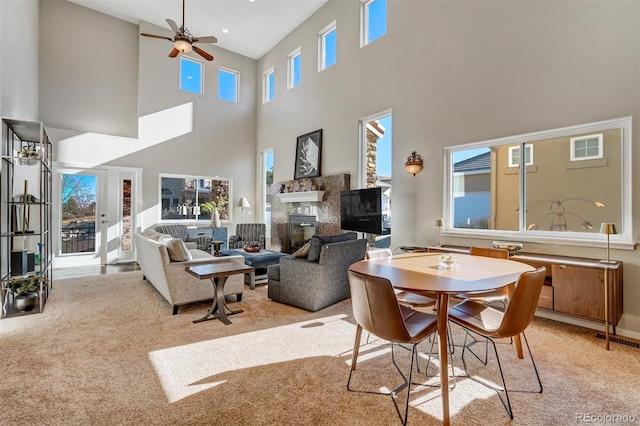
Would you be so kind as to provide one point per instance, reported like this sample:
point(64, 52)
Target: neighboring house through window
point(586, 147)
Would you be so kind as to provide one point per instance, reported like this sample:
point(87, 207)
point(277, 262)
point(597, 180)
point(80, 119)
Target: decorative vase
point(215, 219)
point(25, 301)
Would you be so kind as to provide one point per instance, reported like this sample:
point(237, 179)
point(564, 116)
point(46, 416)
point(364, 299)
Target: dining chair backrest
point(378, 253)
point(489, 252)
point(376, 309)
point(522, 304)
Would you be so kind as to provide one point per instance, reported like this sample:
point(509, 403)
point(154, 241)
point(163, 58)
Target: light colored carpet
point(108, 351)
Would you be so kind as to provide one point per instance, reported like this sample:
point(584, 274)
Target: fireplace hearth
point(301, 229)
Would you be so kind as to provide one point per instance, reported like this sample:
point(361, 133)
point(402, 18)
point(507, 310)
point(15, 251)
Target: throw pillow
point(177, 250)
point(302, 251)
point(318, 241)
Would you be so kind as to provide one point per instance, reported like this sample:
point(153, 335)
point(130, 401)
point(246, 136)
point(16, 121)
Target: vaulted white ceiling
point(254, 27)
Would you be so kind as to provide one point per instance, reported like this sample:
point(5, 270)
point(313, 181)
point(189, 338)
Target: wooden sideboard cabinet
point(573, 286)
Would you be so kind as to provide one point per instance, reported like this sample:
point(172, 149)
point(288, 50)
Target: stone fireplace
point(320, 201)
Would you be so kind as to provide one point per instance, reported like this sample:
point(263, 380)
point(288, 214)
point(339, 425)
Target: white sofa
point(173, 282)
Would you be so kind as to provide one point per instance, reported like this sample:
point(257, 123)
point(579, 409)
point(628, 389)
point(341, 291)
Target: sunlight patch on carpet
point(186, 370)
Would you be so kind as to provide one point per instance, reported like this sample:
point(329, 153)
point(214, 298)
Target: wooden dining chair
point(490, 323)
point(376, 310)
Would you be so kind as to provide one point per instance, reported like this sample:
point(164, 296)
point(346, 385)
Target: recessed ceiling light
point(226, 31)
point(251, 1)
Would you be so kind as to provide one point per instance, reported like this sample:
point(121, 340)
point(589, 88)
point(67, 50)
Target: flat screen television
point(361, 210)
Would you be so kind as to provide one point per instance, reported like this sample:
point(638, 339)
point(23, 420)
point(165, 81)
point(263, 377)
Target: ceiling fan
point(183, 41)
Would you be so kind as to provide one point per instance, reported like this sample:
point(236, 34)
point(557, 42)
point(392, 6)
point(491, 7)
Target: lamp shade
point(243, 202)
point(439, 223)
point(413, 164)
point(182, 45)
point(608, 228)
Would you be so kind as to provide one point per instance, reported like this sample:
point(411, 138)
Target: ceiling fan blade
point(174, 53)
point(207, 39)
point(173, 25)
point(156, 36)
point(202, 53)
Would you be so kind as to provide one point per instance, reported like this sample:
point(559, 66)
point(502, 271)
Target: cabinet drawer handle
point(563, 267)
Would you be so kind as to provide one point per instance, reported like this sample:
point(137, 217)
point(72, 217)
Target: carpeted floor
point(108, 351)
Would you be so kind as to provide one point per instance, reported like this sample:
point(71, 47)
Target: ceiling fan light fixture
point(182, 45)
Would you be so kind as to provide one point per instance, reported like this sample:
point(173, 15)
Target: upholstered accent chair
point(252, 234)
point(201, 242)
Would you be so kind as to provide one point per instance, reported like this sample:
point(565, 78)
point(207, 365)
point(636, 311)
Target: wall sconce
point(244, 204)
point(608, 229)
point(439, 225)
point(413, 164)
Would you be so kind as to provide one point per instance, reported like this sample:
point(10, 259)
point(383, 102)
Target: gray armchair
point(314, 285)
point(252, 234)
point(202, 242)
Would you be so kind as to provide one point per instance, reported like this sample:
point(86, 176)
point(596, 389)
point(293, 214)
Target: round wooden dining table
point(423, 273)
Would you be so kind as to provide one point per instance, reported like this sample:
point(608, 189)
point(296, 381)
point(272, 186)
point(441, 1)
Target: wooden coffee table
point(218, 274)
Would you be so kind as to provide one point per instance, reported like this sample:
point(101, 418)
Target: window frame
point(624, 240)
point(197, 186)
point(322, 35)
point(291, 68)
point(573, 141)
point(365, 22)
point(237, 85)
point(528, 147)
point(267, 92)
point(202, 73)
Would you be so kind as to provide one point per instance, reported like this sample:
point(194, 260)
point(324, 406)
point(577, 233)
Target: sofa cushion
point(318, 241)
point(302, 251)
point(177, 249)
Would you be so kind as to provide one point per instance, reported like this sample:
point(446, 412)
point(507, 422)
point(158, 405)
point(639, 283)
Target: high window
point(293, 68)
point(228, 85)
point(183, 196)
point(268, 85)
point(373, 20)
point(191, 75)
point(327, 46)
point(551, 198)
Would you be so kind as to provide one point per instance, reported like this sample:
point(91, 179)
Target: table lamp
point(439, 224)
point(608, 229)
point(244, 204)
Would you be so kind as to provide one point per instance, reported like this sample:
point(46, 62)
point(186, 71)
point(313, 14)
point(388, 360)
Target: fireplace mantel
point(300, 197)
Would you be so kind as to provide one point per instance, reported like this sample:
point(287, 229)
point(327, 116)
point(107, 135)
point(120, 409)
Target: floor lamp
point(244, 204)
point(608, 229)
point(439, 225)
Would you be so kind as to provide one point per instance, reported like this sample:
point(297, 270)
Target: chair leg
point(505, 401)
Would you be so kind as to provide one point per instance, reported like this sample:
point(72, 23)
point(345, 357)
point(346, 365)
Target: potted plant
point(212, 207)
point(28, 156)
point(25, 293)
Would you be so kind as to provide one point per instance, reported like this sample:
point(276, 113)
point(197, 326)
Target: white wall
point(19, 59)
point(88, 70)
point(453, 73)
point(175, 132)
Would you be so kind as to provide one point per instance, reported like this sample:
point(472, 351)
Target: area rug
point(106, 350)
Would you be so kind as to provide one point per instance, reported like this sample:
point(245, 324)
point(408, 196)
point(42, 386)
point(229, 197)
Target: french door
point(94, 226)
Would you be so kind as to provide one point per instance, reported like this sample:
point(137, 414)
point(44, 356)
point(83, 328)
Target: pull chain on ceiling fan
point(183, 41)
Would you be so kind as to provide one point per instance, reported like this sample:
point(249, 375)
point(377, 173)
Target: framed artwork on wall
point(308, 155)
